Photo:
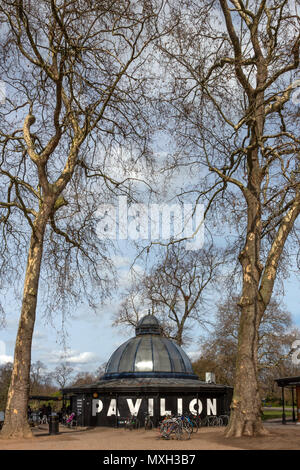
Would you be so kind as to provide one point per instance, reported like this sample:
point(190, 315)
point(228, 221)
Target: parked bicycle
point(213, 420)
point(148, 423)
point(132, 422)
point(193, 421)
point(225, 419)
point(175, 428)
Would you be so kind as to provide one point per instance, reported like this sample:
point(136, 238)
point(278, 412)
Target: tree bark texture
point(16, 422)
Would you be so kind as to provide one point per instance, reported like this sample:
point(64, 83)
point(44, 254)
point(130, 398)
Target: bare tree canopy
point(275, 337)
point(78, 77)
point(75, 93)
point(62, 374)
point(234, 71)
point(176, 290)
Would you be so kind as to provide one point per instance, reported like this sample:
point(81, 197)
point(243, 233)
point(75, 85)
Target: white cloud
point(194, 355)
point(83, 358)
point(4, 359)
point(40, 342)
point(39, 335)
point(127, 277)
point(72, 357)
point(121, 261)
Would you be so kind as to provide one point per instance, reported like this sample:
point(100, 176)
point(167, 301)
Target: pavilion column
point(298, 403)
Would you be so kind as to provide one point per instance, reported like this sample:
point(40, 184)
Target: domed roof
point(148, 325)
point(149, 354)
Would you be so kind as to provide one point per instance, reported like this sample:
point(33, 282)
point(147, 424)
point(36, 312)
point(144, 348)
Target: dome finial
point(148, 325)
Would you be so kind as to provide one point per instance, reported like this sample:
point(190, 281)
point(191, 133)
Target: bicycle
point(225, 420)
point(185, 427)
point(186, 422)
point(217, 421)
point(212, 421)
point(193, 422)
point(132, 423)
point(148, 423)
point(208, 421)
point(175, 427)
point(165, 419)
point(169, 428)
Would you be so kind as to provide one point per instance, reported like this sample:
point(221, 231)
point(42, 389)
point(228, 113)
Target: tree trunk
point(245, 419)
point(16, 422)
point(246, 403)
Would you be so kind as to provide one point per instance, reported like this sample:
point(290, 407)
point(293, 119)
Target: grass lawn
point(273, 414)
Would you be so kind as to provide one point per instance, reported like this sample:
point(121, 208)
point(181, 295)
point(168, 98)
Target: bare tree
point(62, 374)
point(233, 66)
point(40, 379)
point(75, 94)
point(176, 290)
point(275, 338)
point(83, 378)
point(37, 373)
point(100, 371)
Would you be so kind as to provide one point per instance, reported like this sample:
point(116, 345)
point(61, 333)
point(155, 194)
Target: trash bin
point(53, 424)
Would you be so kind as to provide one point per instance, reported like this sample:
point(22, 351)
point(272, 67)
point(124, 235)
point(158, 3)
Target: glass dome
point(149, 354)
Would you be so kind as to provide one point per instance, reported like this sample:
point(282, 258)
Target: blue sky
point(91, 339)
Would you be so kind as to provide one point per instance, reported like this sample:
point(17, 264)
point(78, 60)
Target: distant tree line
point(45, 382)
point(276, 336)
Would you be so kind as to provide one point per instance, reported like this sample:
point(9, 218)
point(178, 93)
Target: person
point(41, 414)
point(29, 413)
point(44, 415)
point(48, 411)
point(62, 414)
point(71, 419)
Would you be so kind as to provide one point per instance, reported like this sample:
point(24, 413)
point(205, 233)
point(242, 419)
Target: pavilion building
point(293, 384)
point(147, 374)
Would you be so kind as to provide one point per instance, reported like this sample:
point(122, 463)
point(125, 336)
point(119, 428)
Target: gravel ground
point(281, 437)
